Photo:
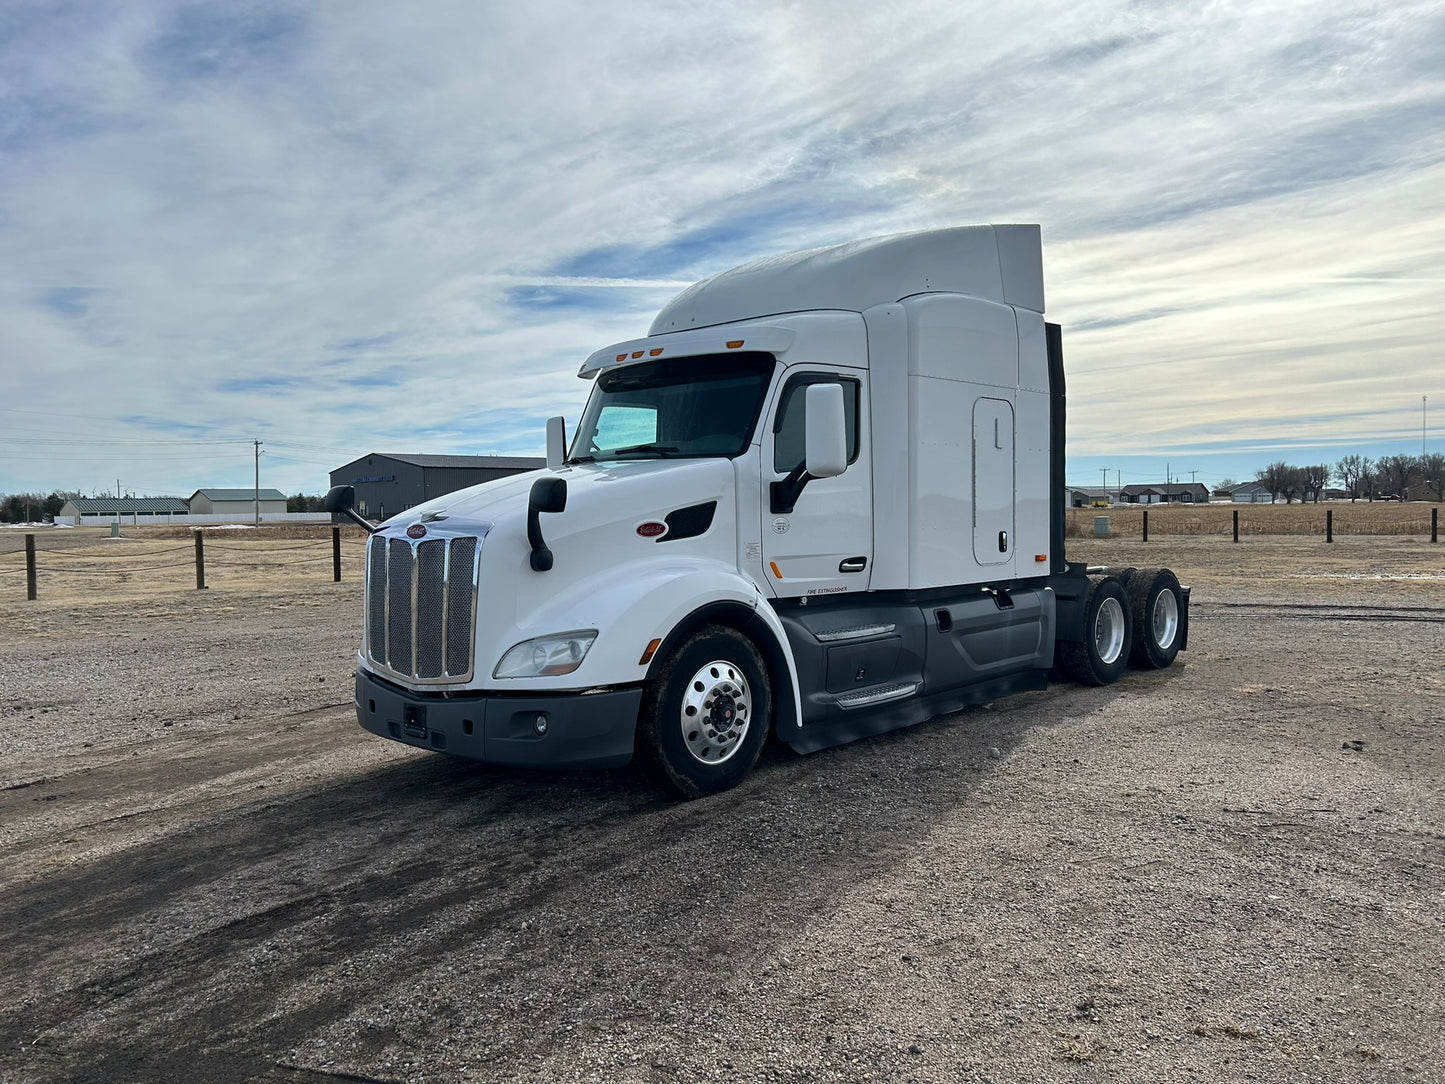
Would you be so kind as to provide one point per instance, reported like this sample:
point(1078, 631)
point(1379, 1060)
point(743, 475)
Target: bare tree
point(1352, 472)
point(1316, 477)
point(1295, 482)
point(1273, 478)
point(1397, 473)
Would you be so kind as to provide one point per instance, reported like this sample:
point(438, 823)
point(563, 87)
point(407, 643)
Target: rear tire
point(1103, 654)
point(1156, 605)
point(705, 718)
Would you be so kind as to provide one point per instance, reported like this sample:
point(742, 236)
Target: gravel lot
point(1231, 870)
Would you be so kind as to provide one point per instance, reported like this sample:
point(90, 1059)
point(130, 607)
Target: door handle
point(852, 564)
point(1003, 541)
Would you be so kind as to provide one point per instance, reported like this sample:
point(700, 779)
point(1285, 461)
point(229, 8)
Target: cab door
point(821, 543)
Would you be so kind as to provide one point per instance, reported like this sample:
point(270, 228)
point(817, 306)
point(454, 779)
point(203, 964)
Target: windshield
point(698, 406)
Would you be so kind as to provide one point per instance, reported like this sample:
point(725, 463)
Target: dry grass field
point(85, 566)
point(1350, 517)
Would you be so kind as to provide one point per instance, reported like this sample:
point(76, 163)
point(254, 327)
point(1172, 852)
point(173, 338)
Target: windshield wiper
point(663, 450)
point(580, 459)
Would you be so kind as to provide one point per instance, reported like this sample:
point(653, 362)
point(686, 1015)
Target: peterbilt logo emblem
point(652, 529)
point(416, 530)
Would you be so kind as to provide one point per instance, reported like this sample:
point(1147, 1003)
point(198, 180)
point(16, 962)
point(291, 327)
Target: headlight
point(546, 655)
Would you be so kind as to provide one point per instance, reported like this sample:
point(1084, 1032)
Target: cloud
point(337, 229)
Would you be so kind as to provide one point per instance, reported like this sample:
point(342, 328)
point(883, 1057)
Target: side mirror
point(825, 450)
point(556, 442)
point(826, 431)
point(341, 501)
point(548, 495)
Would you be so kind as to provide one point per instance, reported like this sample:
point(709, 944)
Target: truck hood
point(597, 494)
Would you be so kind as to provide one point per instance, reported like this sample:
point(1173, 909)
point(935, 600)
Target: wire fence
point(1248, 520)
point(51, 570)
point(292, 560)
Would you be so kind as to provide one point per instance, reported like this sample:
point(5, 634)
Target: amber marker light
point(1041, 557)
point(733, 344)
point(655, 351)
point(621, 357)
point(774, 566)
point(652, 646)
point(637, 353)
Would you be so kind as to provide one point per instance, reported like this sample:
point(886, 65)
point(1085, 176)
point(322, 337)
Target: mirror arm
point(785, 493)
point(365, 524)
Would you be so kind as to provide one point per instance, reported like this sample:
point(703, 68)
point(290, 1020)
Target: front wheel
point(1103, 653)
point(705, 718)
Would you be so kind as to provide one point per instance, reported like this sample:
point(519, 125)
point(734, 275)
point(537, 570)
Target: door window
point(789, 432)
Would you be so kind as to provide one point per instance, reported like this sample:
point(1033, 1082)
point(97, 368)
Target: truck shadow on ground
point(436, 889)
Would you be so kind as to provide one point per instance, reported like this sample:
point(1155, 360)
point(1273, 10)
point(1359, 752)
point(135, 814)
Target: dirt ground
point(1231, 870)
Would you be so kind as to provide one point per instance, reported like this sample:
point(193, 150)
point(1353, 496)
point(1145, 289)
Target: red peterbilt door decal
point(652, 529)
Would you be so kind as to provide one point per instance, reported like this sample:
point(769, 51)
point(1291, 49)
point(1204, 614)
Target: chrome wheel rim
point(1165, 620)
point(1109, 631)
point(716, 711)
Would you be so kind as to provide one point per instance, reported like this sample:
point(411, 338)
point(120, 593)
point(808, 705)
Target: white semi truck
point(823, 498)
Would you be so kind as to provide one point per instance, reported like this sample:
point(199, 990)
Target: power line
point(128, 442)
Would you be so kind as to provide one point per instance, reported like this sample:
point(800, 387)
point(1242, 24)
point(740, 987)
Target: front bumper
point(584, 730)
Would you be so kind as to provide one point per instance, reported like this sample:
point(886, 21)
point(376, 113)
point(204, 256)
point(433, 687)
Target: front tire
point(1155, 603)
point(705, 717)
point(1103, 653)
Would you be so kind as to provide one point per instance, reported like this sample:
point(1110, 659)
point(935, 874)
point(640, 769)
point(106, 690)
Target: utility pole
point(1106, 480)
point(257, 443)
point(1422, 426)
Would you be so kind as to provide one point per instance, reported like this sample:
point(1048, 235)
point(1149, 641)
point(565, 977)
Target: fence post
point(336, 555)
point(1236, 524)
point(1146, 525)
point(1329, 525)
point(200, 560)
point(30, 567)
point(1434, 525)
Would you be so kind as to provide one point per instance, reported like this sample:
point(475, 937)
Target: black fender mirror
point(548, 495)
point(341, 501)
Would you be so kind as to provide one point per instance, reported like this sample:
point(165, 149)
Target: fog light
point(540, 725)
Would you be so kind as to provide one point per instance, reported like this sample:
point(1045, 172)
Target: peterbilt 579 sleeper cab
point(821, 499)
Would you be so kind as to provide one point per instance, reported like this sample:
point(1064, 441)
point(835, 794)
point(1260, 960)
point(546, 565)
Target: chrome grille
point(421, 604)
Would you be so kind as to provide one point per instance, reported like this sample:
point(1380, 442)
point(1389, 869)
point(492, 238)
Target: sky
point(343, 228)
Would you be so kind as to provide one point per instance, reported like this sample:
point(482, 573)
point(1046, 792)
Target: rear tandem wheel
point(1155, 604)
point(1103, 653)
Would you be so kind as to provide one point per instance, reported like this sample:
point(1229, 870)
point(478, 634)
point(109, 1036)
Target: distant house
point(1160, 493)
point(1251, 493)
point(126, 509)
point(235, 502)
point(388, 483)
